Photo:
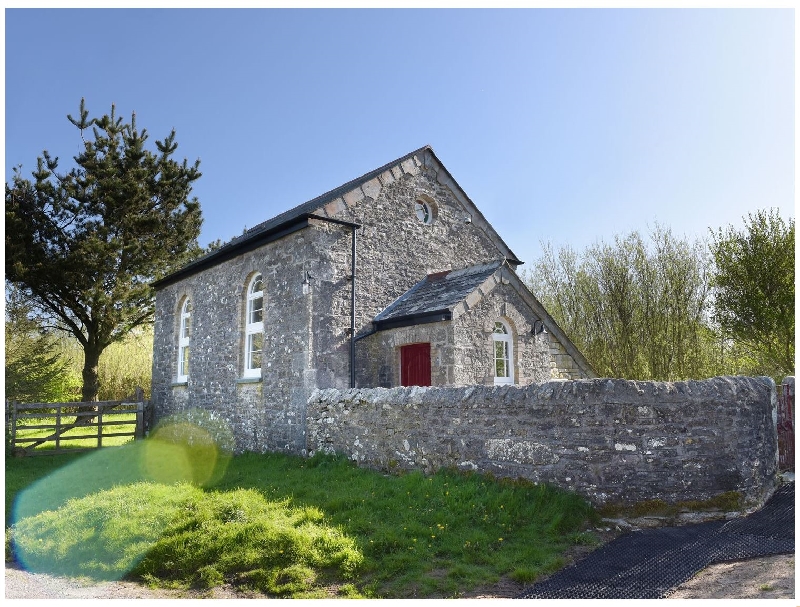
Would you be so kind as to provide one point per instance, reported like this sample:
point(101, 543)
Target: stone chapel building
point(392, 279)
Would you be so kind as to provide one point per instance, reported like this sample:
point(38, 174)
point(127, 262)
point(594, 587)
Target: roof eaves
point(412, 319)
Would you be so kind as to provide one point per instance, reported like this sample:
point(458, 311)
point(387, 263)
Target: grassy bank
point(289, 526)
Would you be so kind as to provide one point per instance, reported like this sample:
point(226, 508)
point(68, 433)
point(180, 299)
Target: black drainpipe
point(353, 311)
point(353, 227)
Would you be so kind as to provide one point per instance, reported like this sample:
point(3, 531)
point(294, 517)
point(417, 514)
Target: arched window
point(254, 327)
point(502, 340)
point(184, 336)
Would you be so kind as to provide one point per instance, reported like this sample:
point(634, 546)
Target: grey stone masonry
point(613, 441)
point(265, 414)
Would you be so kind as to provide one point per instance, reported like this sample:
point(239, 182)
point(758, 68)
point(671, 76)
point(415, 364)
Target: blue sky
point(568, 126)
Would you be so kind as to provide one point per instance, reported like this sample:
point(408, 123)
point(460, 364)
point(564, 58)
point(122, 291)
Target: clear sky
point(561, 125)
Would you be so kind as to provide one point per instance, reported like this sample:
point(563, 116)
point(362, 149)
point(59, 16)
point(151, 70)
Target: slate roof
point(433, 298)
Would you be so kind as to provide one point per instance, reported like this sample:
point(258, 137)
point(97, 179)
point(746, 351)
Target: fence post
point(13, 425)
point(58, 427)
point(99, 425)
point(142, 423)
point(139, 420)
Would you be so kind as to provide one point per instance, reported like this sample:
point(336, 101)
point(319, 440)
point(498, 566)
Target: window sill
point(248, 380)
point(179, 384)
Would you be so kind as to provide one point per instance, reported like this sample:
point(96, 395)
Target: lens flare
point(190, 448)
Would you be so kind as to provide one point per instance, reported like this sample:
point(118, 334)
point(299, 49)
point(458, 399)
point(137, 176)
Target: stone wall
point(613, 441)
point(264, 414)
point(395, 250)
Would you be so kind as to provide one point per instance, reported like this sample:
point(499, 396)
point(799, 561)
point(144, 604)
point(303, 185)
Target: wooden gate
point(786, 425)
point(72, 427)
point(415, 365)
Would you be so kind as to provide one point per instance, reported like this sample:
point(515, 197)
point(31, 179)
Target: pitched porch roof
point(433, 298)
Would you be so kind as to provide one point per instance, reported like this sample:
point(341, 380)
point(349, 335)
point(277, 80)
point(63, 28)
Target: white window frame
point(253, 329)
point(505, 340)
point(184, 340)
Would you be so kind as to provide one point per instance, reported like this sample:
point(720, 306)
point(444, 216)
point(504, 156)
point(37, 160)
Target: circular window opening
point(425, 210)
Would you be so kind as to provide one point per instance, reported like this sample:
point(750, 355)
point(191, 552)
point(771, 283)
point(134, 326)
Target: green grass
point(367, 533)
point(181, 533)
point(22, 472)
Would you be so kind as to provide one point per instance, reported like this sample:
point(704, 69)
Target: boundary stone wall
point(613, 441)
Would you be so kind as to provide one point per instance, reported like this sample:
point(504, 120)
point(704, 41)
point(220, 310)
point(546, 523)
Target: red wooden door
point(415, 365)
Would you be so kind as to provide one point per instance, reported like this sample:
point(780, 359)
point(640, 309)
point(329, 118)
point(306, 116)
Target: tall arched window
point(503, 342)
point(254, 328)
point(184, 336)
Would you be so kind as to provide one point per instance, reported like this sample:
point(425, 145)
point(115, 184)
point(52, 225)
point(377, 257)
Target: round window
point(425, 210)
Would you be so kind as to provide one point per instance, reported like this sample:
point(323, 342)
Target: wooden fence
point(91, 421)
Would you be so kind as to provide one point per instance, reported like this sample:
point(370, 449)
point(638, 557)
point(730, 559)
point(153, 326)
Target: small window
point(254, 328)
point(184, 337)
point(425, 209)
point(424, 212)
point(503, 354)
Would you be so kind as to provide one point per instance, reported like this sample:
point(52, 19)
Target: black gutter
point(353, 311)
point(412, 319)
point(372, 331)
point(341, 222)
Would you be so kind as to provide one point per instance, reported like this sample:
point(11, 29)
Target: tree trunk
point(91, 379)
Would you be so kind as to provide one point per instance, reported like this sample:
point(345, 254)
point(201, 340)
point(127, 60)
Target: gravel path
point(771, 577)
point(21, 584)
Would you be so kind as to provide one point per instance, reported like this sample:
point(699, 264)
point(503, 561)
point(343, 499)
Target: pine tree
point(85, 246)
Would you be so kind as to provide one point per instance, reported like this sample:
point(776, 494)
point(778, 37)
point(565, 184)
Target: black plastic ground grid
point(650, 564)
